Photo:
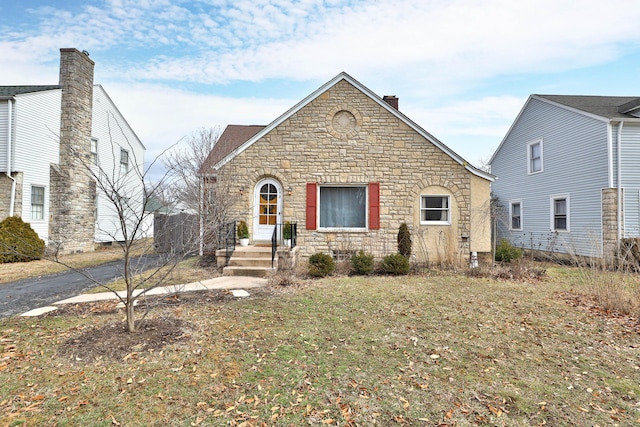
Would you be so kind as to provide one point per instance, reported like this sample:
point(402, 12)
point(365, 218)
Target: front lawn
point(431, 350)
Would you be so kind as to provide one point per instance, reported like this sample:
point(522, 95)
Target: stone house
point(51, 137)
point(349, 168)
point(568, 172)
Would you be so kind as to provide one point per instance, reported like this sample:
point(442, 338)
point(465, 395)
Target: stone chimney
point(73, 193)
point(391, 100)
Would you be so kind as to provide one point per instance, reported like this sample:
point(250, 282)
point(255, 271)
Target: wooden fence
point(175, 233)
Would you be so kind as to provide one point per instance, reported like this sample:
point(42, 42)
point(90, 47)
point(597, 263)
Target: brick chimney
point(391, 100)
point(72, 196)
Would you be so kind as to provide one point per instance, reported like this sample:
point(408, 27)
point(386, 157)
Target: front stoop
point(254, 261)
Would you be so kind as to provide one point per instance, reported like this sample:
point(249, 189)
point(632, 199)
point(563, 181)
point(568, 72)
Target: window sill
point(342, 230)
point(431, 223)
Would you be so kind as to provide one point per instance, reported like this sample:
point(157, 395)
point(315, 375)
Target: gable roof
point(606, 107)
point(232, 138)
point(603, 108)
point(223, 156)
point(18, 90)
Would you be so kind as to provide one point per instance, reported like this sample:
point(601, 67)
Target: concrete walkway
point(236, 284)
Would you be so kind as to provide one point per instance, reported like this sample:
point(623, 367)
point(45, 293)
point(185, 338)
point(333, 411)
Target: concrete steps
point(253, 261)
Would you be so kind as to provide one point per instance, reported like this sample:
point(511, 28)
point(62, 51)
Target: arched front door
point(267, 209)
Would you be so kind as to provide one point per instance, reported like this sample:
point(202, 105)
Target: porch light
point(241, 191)
point(289, 190)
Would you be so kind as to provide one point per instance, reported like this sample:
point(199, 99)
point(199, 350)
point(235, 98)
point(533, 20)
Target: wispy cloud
point(219, 41)
point(171, 62)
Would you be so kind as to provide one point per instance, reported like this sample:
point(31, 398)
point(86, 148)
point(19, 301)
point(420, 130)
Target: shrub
point(404, 240)
point(362, 263)
point(628, 254)
point(18, 241)
point(243, 230)
point(321, 265)
point(286, 231)
point(396, 264)
point(506, 252)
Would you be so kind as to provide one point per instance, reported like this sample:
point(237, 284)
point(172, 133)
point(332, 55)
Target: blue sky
point(462, 69)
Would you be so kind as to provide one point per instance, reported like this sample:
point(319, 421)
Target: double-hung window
point(534, 155)
point(94, 151)
point(435, 210)
point(37, 203)
point(560, 209)
point(343, 207)
point(124, 161)
point(515, 213)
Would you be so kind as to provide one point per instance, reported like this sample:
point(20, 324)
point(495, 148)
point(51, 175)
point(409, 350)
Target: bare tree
point(126, 192)
point(216, 206)
point(185, 160)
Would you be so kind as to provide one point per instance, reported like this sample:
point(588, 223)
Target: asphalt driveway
point(24, 295)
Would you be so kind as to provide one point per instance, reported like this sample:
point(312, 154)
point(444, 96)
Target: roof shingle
point(604, 106)
point(232, 137)
point(18, 90)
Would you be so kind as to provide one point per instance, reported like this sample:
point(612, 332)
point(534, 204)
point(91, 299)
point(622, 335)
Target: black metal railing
point(274, 244)
point(294, 234)
point(227, 233)
point(274, 239)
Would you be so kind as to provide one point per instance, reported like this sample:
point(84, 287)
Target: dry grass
point(615, 292)
point(444, 350)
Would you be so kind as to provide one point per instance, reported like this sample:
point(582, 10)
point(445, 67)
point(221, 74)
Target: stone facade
point(5, 189)
point(72, 193)
point(345, 137)
point(610, 221)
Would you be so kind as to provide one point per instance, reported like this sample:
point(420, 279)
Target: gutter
point(619, 219)
point(9, 151)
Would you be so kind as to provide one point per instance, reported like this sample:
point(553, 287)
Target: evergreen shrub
point(18, 241)
point(321, 265)
point(396, 264)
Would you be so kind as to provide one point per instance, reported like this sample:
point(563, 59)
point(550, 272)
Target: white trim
point(573, 109)
point(610, 153)
point(511, 203)
point(94, 144)
point(448, 221)
point(256, 208)
point(529, 145)
point(343, 229)
point(44, 203)
point(552, 212)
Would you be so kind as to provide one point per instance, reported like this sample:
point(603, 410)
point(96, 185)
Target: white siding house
point(120, 155)
point(559, 178)
point(49, 135)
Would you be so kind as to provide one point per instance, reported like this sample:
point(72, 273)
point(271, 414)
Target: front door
point(267, 209)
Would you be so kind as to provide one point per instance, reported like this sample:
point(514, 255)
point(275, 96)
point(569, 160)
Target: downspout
point(9, 150)
point(619, 181)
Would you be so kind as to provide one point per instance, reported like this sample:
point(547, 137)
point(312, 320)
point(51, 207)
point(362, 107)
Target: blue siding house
point(562, 167)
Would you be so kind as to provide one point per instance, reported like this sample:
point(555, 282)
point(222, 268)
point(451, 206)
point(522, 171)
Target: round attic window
point(344, 121)
point(344, 124)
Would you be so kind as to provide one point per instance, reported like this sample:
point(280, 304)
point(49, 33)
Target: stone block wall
point(5, 194)
point(72, 192)
point(344, 137)
point(610, 221)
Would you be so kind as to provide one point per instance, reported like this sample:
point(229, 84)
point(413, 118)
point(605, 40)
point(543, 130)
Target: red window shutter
point(312, 195)
point(374, 205)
